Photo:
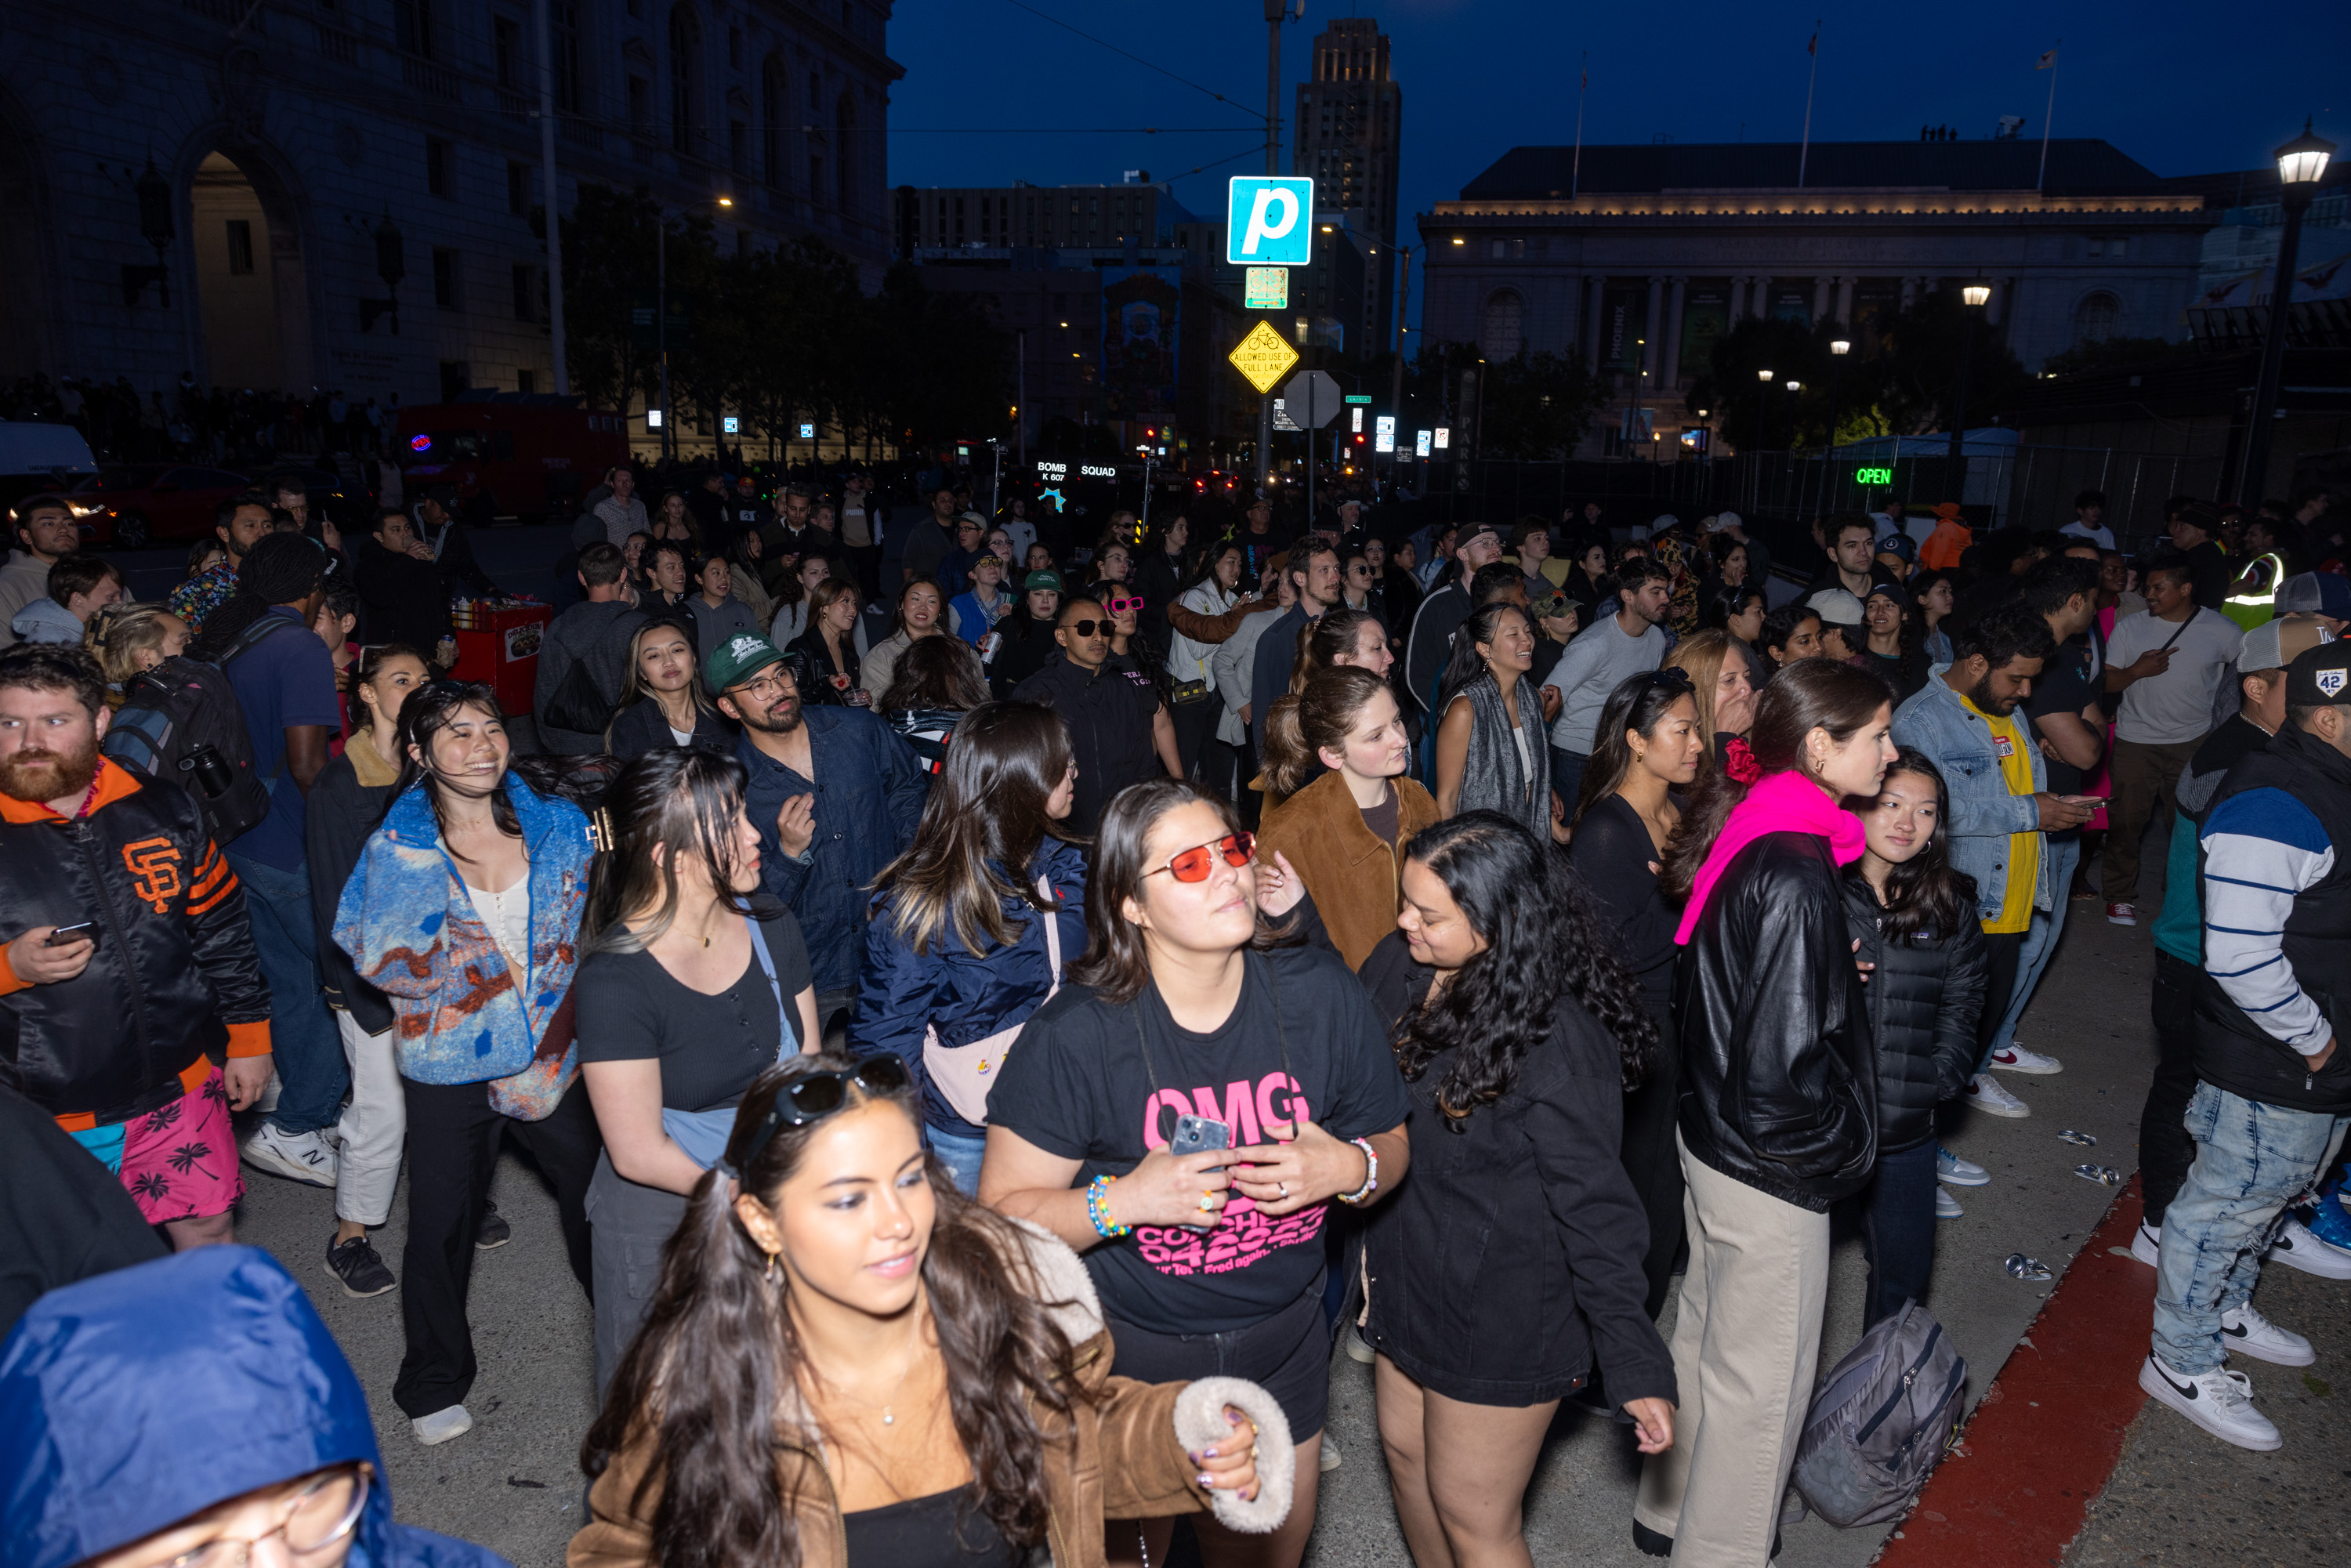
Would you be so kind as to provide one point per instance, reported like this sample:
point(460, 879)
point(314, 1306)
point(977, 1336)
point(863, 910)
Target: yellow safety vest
point(2257, 608)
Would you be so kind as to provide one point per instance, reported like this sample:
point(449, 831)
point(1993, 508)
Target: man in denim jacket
point(1964, 718)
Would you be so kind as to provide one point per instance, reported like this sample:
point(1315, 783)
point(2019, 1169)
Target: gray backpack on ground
point(1881, 1422)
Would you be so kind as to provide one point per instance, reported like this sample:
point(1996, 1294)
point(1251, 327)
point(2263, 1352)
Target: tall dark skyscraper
point(1349, 127)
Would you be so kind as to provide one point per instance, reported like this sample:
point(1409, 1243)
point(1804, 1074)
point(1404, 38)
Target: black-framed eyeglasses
point(813, 1096)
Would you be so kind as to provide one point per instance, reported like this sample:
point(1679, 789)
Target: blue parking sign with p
point(1269, 221)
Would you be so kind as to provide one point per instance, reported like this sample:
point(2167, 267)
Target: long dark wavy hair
point(1639, 703)
point(1925, 897)
point(717, 1357)
point(1809, 694)
point(1465, 663)
point(684, 800)
point(1117, 964)
point(429, 710)
point(1543, 942)
point(982, 825)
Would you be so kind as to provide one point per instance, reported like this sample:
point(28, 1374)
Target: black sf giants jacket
point(175, 962)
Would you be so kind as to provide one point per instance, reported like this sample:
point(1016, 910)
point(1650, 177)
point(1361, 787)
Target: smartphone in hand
point(64, 935)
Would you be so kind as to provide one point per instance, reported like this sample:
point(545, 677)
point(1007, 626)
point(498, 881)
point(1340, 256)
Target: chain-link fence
point(2003, 486)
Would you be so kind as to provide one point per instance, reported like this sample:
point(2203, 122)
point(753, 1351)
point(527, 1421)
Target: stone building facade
point(215, 186)
point(1350, 137)
point(1637, 257)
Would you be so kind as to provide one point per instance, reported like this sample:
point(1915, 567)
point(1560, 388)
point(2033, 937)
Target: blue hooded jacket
point(131, 1400)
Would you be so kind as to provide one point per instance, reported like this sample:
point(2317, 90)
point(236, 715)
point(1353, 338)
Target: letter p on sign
point(1268, 221)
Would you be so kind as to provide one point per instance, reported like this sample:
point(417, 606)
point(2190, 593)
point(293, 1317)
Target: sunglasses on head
point(816, 1095)
point(1671, 680)
point(1195, 863)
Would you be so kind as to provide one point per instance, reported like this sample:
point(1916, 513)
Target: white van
point(36, 458)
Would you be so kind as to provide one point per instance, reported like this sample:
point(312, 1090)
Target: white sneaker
point(2244, 1331)
point(2220, 1401)
point(2147, 1244)
point(1947, 1207)
point(2016, 1058)
point(1985, 1093)
point(1949, 1167)
point(305, 1157)
point(1332, 1459)
point(442, 1425)
point(2296, 1247)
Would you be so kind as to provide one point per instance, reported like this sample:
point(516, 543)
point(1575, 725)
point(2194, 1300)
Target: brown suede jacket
point(1353, 878)
point(1214, 629)
point(1124, 1458)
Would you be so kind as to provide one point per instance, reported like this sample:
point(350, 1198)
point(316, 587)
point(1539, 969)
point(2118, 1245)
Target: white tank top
point(508, 915)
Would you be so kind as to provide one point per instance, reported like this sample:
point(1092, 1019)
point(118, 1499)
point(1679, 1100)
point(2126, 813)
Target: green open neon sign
point(1873, 475)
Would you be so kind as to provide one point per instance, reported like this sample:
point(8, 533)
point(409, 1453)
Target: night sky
point(2183, 90)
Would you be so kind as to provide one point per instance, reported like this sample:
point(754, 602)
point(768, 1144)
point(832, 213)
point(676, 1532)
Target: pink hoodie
point(1784, 802)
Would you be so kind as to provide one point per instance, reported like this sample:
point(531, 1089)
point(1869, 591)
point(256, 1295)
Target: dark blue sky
point(2184, 89)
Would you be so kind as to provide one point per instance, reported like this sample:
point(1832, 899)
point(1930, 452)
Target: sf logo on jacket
point(154, 868)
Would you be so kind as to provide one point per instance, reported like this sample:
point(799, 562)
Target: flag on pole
point(2047, 62)
point(1813, 47)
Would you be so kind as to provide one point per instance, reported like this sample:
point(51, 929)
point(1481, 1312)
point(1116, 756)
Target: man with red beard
point(125, 937)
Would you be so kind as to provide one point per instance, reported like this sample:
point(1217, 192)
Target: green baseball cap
point(736, 660)
point(1037, 580)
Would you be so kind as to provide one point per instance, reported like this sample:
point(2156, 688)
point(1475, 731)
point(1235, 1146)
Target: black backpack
point(180, 721)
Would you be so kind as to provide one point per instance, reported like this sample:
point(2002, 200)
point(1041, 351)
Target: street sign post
point(1281, 420)
point(1268, 221)
point(1420, 444)
point(1383, 432)
point(1313, 398)
point(1265, 288)
point(1264, 357)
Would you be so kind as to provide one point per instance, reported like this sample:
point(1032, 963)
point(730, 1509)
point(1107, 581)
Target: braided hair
point(280, 568)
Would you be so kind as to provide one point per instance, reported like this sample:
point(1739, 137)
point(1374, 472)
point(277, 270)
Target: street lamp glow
point(725, 201)
point(1763, 376)
point(1459, 240)
point(1795, 386)
point(1840, 347)
point(2302, 161)
point(1977, 294)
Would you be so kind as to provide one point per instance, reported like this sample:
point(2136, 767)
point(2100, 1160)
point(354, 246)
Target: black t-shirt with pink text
point(1077, 1086)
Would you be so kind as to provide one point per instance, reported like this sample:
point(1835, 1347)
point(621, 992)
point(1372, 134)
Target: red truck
point(511, 454)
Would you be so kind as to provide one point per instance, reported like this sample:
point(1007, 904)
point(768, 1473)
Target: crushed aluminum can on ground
point(2025, 1268)
point(2105, 1175)
point(2071, 1137)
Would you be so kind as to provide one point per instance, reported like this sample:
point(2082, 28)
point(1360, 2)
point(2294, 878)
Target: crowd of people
point(191, 423)
point(996, 1003)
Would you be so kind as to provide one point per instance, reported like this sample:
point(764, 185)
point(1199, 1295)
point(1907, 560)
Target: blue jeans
point(312, 1075)
point(960, 1154)
point(1898, 1230)
point(1567, 775)
point(2059, 857)
point(2251, 1161)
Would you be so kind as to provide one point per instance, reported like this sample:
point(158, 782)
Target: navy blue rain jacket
point(131, 1400)
point(967, 997)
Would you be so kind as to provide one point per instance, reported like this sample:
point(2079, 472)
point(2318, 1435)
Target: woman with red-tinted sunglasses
point(1185, 1112)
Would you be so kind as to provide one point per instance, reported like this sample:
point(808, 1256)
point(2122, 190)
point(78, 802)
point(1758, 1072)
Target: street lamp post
point(1973, 297)
point(2301, 163)
point(661, 318)
point(1838, 348)
point(1762, 384)
point(1794, 386)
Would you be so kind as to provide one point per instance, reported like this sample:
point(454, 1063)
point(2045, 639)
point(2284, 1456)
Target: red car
point(138, 505)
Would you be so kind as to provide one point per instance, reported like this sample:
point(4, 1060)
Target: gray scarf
point(1491, 777)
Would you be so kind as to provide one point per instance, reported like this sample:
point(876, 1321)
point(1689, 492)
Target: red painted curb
point(2038, 1448)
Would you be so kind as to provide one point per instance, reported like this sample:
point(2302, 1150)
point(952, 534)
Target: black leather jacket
point(1779, 1081)
point(174, 962)
point(1924, 999)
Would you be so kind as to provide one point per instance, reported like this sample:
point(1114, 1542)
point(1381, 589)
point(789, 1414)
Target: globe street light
point(2302, 163)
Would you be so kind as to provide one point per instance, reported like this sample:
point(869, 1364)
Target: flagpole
point(2048, 118)
point(1575, 170)
point(1805, 152)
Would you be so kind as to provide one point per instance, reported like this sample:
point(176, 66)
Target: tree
point(2107, 353)
point(1536, 407)
point(1921, 368)
point(610, 257)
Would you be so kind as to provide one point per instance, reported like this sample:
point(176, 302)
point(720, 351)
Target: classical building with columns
point(1638, 258)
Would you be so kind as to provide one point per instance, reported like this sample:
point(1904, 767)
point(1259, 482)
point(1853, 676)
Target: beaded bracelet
point(1098, 1209)
point(1362, 1194)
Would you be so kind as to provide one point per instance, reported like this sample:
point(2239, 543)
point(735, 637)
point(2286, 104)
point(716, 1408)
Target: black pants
point(2165, 1149)
point(1648, 1152)
point(453, 1147)
point(1196, 724)
point(2002, 955)
point(1898, 1230)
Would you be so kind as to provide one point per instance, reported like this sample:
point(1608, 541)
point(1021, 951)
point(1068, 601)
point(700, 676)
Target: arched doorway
point(236, 278)
point(253, 292)
point(24, 322)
